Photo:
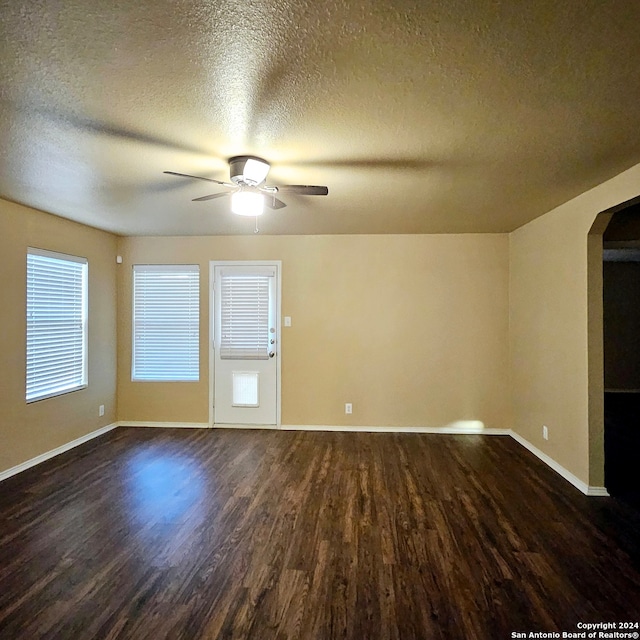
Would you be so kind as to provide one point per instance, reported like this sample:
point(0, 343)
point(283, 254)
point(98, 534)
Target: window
point(166, 322)
point(56, 324)
point(246, 313)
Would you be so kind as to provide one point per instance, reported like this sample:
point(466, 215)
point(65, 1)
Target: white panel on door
point(246, 389)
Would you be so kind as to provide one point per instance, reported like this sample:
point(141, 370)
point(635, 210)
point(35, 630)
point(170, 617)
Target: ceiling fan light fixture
point(248, 170)
point(247, 203)
point(248, 175)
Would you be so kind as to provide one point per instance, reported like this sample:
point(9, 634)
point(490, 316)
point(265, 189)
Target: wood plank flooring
point(158, 533)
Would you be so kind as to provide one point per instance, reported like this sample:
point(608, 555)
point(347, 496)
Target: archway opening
point(614, 350)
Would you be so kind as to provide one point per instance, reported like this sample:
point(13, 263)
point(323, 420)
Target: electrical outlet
point(545, 432)
point(101, 410)
point(348, 407)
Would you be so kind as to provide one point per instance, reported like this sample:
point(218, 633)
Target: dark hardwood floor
point(149, 533)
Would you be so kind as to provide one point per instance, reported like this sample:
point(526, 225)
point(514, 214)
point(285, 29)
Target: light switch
point(287, 321)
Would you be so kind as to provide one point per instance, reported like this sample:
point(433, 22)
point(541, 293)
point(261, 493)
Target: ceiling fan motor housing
point(248, 171)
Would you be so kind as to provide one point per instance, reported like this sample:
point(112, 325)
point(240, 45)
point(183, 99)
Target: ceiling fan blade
point(186, 175)
point(211, 197)
point(273, 203)
point(304, 189)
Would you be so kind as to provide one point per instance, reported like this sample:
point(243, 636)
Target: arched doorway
point(614, 350)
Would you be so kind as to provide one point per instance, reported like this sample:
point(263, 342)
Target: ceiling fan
point(249, 193)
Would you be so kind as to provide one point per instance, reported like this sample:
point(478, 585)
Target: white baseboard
point(453, 428)
point(597, 492)
point(558, 468)
point(163, 425)
point(23, 466)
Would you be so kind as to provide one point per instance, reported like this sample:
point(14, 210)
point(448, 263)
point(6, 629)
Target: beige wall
point(27, 430)
point(413, 330)
point(550, 329)
point(622, 326)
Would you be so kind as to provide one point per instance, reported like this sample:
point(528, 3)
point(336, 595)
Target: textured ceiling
point(420, 117)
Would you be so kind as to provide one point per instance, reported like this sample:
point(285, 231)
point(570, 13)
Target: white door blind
point(245, 316)
point(166, 322)
point(56, 324)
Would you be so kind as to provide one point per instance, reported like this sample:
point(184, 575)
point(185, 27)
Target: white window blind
point(166, 322)
point(245, 315)
point(56, 324)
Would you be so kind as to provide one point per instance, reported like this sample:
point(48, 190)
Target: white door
point(245, 343)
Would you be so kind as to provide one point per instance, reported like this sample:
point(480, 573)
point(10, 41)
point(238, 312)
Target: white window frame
point(142, 369)
point(56, 383)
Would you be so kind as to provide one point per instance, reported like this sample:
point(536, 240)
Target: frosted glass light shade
point(255, 171)
point(247, 203)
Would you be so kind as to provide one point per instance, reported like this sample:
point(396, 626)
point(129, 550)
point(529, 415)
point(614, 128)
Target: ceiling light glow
point(255, 171)
point(247, 203)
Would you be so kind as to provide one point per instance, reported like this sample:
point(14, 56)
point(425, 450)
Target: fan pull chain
point(256, 230)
